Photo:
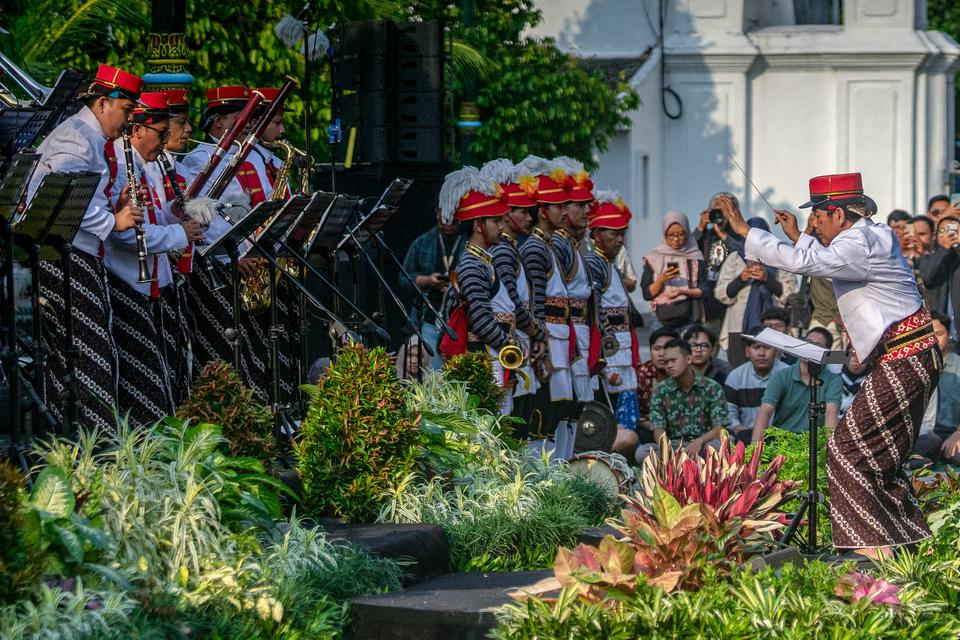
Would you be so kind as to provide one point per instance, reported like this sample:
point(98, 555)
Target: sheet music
point(794, 346)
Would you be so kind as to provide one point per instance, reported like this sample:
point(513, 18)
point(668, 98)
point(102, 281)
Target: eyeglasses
point(676, 236)
point(700, 345)
point(164, 133)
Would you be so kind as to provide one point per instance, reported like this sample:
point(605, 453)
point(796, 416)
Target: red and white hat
point(177, 100)
point(269, 95)
point(517, 189)
point(609, 211)
point(576, 180)
point(233, 96)
point(151, 107)
point(467, 195)
point(115, 83)
point(840, 190)
point(549, 180)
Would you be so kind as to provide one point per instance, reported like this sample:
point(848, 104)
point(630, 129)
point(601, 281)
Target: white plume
point(499, 171)
point(535, 166)
point(202, 210)
point(569, 165)
point(456, 185)
point(289, 30)
point(603, 197)
point(318, 44)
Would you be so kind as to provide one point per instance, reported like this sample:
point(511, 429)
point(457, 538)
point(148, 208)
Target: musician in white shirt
point(873, 508)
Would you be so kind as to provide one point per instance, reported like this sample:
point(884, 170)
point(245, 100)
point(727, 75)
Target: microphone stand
point(406, 274)
point(383, 281)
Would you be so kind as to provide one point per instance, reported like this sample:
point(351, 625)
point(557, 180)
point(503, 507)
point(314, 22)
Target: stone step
point(424, 544)
point(457, 606)
point(594, 535)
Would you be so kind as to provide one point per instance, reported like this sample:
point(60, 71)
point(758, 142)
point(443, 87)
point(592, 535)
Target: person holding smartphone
point(940, 271)
point(674, 274)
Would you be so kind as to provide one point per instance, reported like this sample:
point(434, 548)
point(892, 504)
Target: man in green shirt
point(687, 408)
point(787, 398)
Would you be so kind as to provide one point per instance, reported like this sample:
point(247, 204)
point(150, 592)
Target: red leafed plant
point(723, 479)
point(856, 586)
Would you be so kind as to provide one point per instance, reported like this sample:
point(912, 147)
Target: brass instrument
point(37, 92)
point(511, 357)
point(134, 186)
point(255, 289)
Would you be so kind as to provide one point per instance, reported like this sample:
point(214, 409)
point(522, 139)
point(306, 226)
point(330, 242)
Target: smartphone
point(444, 277)
point(673, 265)
point(910, 230)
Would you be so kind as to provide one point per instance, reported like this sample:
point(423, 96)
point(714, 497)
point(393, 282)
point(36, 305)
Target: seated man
point(703, 344)
point(943, 442)
point(649, 374)
point(787, 398)
point(687, 408)
point(745, 386)
point(778, 319)
point(852, 375)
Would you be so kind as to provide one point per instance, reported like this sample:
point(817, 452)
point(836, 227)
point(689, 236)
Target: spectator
point(687, 407)
point(778, 319)
point(852, 375)
point(748, 289)
point(411, 359)
point(898, 221)
point(940, 273)
point(716, 242)
point(787, 398)
point(943, 440)
point(429, 260)
point(746, 385)
point(703, 347)
point(650, 373)
point(318, 369)
point(922, 240)
point(674, 273)
point(939, 205)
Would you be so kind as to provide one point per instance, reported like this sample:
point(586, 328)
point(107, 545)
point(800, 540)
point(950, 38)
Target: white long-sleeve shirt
point(874, 285)
point(77, 144)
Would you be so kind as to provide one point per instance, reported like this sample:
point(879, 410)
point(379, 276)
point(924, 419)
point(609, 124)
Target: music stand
point(228, 244)
point(371, 223)
point(816, 357)
point(15, 181)
point(331, 228)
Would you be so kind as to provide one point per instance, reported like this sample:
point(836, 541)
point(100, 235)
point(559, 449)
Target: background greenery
point(944, 15)
point(528, 90)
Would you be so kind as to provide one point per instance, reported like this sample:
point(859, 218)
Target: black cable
point(665, 90)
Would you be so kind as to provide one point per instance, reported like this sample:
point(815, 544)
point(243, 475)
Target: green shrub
point(20, 565)
point(219, 397)
point(358, 439)
point(474, 369)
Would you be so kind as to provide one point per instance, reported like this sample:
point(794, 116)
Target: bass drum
point(609, 470)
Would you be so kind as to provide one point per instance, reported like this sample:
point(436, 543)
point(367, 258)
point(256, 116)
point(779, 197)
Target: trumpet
point(134, 185)
point(511, 357)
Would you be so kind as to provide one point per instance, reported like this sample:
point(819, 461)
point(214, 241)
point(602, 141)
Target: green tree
point(944, 15)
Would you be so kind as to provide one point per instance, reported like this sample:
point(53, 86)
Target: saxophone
point(255, 289)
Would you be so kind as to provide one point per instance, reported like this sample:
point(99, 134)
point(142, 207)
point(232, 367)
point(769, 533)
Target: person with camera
point(674, 274)
point(873, 509)
point(716, 243)
point(940, 271)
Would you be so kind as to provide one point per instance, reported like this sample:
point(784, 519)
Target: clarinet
point(134, 187)
point(185, 261)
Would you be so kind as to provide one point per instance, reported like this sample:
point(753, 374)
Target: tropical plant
point(20, 563)
point(473, 369)
point(56, 613)
point(358, 439)
point(219, 397)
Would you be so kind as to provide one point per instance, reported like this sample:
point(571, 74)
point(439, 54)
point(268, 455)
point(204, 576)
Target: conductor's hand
point(248, 267)
point(127, 217)
point(733, 216)
point(787, 222)
point(193, 229)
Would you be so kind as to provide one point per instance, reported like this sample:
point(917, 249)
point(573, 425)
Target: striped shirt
point(564, 248)
point(477, 284)
point(506, 264)
point(598, 268)
point(744, 390)
point(535, 254)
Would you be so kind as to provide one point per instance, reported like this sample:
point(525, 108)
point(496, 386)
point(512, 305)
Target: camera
point(716, 216)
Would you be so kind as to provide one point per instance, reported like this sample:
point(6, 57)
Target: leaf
point(52, 494)
point(70, 541)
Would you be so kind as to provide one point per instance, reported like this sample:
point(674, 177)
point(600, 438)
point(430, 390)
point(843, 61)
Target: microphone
point(370, 325)
point(291, 30)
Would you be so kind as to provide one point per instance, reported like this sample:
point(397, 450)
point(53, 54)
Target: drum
point(609, 470)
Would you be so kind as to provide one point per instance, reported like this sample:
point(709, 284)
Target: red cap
point(126, 85)
point(475, 205)
point(227, 96)
point(517, 196)
point(177, 100)
point(152, 106)
point(609, 215)
point(838, 186)
point(550, 191)
point(580, 187)
point(269, 95)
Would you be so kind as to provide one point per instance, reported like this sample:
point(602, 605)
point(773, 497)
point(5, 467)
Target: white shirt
point(196, 160)
point(77, 144)
point(260, 157)
point(873, 283)
point(120, 255)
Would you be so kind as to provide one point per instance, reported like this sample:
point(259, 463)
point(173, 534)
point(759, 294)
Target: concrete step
point(457, 606)
point(424, 544)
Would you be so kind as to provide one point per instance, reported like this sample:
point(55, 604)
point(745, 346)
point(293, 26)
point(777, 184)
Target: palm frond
point(92, 19)
point(467, 64)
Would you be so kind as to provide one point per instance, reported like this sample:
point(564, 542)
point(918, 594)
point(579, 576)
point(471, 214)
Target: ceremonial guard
point(530, 333)
point(872, 505)
point(84, 142)
point(551, 307)
point(609, 218)
point(490, 322)
point(264, 160)
point(145, 389)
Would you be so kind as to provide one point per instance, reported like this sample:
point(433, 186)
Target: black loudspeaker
point(390, 81)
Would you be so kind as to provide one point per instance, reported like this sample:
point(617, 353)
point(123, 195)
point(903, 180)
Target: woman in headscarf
point(674, 273)
point(749, 288)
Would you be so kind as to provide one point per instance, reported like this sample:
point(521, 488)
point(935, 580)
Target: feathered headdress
point(609, 211)
point(534, 166)
point(458, 184)
point(576, 180)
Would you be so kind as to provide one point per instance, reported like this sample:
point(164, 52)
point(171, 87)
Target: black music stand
point(46, 232)
point(228, 244)
point(816, 357)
